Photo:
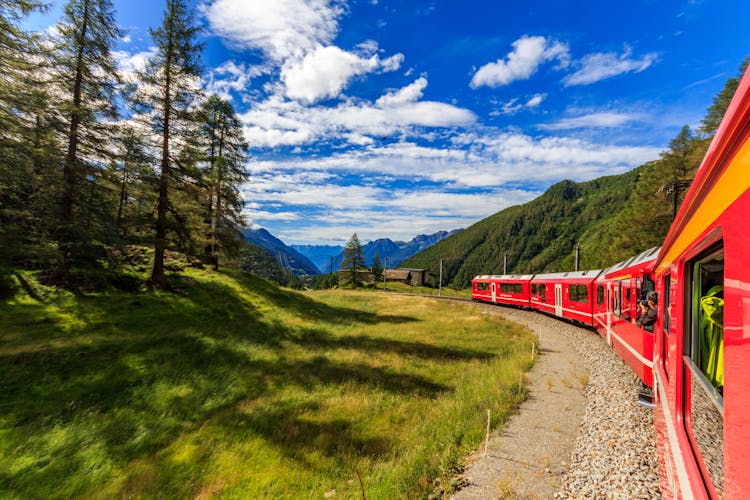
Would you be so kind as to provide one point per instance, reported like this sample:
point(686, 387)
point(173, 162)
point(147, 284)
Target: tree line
point(93, 161)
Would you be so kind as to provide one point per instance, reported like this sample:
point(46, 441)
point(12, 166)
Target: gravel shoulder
point(580, 434)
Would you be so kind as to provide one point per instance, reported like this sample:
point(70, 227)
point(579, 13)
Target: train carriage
point(618, 290)
point(702, 337)
point(566, 295)
point(510, 290)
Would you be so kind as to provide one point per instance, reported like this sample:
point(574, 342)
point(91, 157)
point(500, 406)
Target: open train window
point(704, 362)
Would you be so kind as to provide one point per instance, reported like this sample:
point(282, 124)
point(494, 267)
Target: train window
point(704, 361)
point(482, 285)
point(511, 288)
point(599, 294)
point(624, 309)
point(540, 290)
point(578, 293)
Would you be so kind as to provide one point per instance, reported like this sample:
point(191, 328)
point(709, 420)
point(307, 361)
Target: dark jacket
point(648, 318)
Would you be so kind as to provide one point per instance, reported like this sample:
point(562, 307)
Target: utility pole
point(578, 254)
point(440, 285)
point(505, 263)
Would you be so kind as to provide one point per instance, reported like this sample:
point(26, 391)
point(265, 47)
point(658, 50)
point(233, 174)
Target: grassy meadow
point(231, 387)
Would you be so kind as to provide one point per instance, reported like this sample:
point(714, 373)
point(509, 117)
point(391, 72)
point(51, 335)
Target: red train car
point(510, 290)
point(566, 295)
point(619, 289)
point(702, 350)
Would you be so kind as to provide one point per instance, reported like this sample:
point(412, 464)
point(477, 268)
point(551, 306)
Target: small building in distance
point(414, 277)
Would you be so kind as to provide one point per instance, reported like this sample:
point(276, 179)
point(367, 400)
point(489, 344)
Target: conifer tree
point(170, 86)
point(86, 77)
point(377, 267)
point(353, 259)
point(715, 112)
point(225, 173)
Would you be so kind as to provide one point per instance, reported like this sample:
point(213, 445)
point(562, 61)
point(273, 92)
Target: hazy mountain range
point(316, 259)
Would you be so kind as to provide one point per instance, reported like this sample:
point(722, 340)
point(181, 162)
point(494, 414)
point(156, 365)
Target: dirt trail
point(530, 455)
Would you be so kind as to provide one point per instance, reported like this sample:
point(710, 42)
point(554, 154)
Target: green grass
point(232, 387)
point(464, 293)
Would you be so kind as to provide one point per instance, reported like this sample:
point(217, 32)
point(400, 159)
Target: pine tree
point(168, 90)
point(377, 267)
point(26, 137)
point(353, 259)
point(225, 173)
point(715, 112)
point(86, 77)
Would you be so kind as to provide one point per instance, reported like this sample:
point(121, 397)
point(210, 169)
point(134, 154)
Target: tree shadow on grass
point(140, 370)
point(319, 339)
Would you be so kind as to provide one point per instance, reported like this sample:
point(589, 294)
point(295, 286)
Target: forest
point(106, 175)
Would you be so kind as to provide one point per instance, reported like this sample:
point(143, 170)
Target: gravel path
point(580, 434)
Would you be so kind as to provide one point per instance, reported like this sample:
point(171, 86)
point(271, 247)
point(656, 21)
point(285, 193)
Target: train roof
point(508, 277)
point(650, 254)
point(571, 274)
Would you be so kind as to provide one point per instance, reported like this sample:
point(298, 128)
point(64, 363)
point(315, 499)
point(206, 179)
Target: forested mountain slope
point(537, 236)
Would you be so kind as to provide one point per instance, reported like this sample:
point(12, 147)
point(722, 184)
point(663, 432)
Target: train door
point(558, 300)
point(494, 293)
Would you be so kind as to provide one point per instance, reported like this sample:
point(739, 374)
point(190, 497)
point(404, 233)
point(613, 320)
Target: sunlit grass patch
point(233, 387)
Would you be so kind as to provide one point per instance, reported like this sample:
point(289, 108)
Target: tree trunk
point(157, 274)
point(70, 165)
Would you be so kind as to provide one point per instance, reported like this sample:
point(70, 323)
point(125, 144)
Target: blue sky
point(397, 118)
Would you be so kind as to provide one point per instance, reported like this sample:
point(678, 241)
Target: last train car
point(509, 290)
point(702, 335)
point(619, 289)
point(566, 295)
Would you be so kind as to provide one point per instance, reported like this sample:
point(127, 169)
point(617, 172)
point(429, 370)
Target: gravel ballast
point(581, 433)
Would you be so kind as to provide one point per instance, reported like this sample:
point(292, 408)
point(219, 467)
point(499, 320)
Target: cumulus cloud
point(325, 71)
point(529, 52)
point(602, 65)
point(281, 29)
point(410, 93)
point(130, 63)
point(279, 122)
point(593, 120)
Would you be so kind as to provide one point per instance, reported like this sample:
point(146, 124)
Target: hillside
point(288, 257)
point(538, 236)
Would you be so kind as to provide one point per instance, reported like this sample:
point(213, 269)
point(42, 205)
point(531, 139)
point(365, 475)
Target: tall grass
point(232, 387)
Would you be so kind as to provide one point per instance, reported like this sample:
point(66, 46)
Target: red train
point(696, 355)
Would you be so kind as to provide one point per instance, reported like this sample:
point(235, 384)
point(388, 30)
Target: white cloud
point(231, 76)
point(410, 93)
point(602, 65)
point(281, 29)
point(325, 71)
point(529, 52)
point(603, 119)
point(128, 64)
point(514, 106)
point(279, 122)
point(535, 101)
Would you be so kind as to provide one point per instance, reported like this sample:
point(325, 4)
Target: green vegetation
point(612, 218)
point(231, 386)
